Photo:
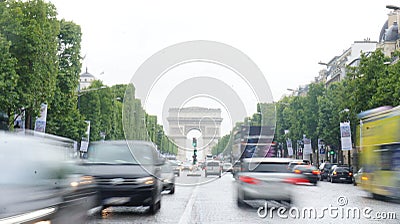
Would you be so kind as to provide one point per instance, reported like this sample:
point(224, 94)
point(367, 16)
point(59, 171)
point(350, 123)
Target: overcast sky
point(286, 39)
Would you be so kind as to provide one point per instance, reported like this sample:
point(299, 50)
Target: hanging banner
point(40, 123)
point(85, 139)
point(307, 146)
point(289, 147)
point(345, 136)
point(321, 147)
point(19, 121)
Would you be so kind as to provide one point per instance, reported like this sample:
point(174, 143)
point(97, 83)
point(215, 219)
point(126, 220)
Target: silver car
point(213, 167)
point(266, 179)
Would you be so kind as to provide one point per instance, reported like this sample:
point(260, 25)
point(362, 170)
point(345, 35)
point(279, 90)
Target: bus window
point(389, 157)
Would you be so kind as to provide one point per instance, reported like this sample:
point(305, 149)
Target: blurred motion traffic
point(42, 181)
point(196, 135)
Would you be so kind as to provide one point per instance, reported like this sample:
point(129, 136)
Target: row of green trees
point(40, 62)
point(373, 83)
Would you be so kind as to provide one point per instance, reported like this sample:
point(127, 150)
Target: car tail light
point(316, 172)
point(334, 173)
point(249, 180)
point(295, 180)
point(297, 171)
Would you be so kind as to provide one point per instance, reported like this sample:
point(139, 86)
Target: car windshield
point(213, 164)
point(305, 168)
point(110, 154)
point(342, 169)
point(266, 167)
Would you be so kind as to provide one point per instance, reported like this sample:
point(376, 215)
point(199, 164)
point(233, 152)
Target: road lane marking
point(186, 216)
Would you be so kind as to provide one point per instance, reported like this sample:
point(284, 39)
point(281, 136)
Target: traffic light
point(332, 152)
point(194, 156)
point(194, 143)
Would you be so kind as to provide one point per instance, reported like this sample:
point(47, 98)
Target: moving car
point(341, 174)
point(41, 181)
point(309, 171)
point(127, 173)
point(212, 167)
point(187, 166)
point(294, 163)
point(324, 169)
point(176, 167)
point(332, 169)
point(168, 177)
point(266, 179)
point(227, 167)
point(357, 176)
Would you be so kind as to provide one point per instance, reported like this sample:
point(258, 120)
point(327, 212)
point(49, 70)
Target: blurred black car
point(127, 173)
point(41, 181)
point(310, 172)
point(341, 174)
point(324, 168)
point(168, 177)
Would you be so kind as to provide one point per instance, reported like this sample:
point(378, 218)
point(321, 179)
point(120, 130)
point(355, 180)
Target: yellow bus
point(379, 146)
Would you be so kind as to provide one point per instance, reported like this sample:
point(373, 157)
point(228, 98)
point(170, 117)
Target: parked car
point(357, 176)
point(41, 181)
point(213, 167)
point(266, 179)
point(168, 177)
point(309, 171)
point(324, 169)
point(341, 174)
point(227, 167)
point(126, 175)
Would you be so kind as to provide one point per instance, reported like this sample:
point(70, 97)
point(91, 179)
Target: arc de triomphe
point(183, 120)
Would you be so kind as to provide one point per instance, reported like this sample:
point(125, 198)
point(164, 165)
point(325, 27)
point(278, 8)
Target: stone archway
point(182, 120)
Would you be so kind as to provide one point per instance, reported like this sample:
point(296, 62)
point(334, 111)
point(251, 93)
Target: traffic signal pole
point(194, 143)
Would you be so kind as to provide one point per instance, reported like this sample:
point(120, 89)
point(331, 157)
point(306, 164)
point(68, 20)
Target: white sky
point(286, 39)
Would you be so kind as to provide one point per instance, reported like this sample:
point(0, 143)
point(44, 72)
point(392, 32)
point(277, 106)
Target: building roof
point(87, 74)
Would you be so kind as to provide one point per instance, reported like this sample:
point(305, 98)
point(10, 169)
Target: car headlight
point(145, 180)
point(83, 180)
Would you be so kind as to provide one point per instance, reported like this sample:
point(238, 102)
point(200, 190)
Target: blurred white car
point(227, 167)
point(266, 179)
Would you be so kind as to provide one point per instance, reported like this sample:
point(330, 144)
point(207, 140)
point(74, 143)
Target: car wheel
point(100, 211)
point(155, 207)
point(172, 191)
point(240, 203)
point(315, 184)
